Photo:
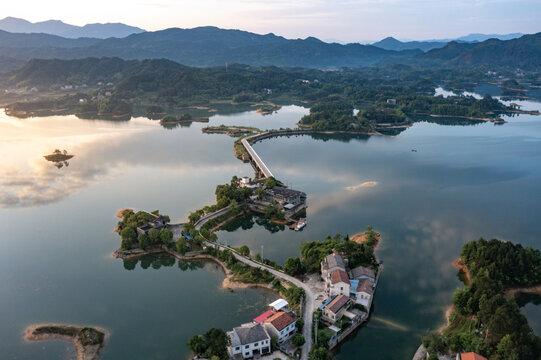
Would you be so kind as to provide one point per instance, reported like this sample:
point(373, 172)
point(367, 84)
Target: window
point(237, 348)
point(255, 344)
point(246, 346)
point(246, 354)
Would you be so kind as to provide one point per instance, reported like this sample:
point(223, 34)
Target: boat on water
point(298, 225)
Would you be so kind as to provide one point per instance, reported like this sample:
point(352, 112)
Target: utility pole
point(262, 257)
point(315, 320)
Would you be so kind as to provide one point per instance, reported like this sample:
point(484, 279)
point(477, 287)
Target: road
point(199, 223)
point(309, 304)
point(260, 164)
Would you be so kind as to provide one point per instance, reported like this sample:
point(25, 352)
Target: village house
point(330, 263)
point(362, 291)
point(158, 223)
point(335, 309)
point(281, 325)
point(249, 340)
point(361, 272)
point(470, 356)
point(337, 283)
point(285, 196)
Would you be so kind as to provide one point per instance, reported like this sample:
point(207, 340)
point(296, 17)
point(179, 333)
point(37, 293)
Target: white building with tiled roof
point(249, 340)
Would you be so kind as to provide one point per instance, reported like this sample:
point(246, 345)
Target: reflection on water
point(463, 182)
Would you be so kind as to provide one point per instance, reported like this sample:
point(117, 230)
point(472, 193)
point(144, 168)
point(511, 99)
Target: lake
point(461, 183)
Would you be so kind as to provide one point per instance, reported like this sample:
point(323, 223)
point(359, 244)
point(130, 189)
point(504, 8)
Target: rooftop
point(280, 320)
point(278, 304)
point(339, 302)
point(471, 356)
point(285, 191)
point(339, 275)
point(334, 260)
point(261, 318)
point(248, 334)
point(366, 286)
point(361, 271)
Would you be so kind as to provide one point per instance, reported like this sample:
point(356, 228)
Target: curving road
point(309, 303)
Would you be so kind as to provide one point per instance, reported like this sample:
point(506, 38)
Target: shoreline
point(463, 269)
point(361, 238)
point(228, 282)
point(84, 352)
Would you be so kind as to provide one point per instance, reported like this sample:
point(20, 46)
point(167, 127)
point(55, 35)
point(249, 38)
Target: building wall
point(247, 350)
point(340, 288)
point(363, 298)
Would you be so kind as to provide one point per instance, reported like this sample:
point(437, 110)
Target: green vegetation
point(127, 227)
point(313, 252)
point(274, 212)
point(298, 340)
point(86, 335)
point(242, 272)
point(212, 345)
point(483, 319)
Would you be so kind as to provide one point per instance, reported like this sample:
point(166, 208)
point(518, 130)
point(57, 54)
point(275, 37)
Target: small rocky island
point(88, 341)
point(59, 158)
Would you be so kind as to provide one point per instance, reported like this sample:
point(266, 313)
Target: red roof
point(261, 318)
point(339, 276)
point(471, 356)
point(280, 320)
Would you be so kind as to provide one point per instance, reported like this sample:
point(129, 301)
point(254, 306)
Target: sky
point(343, 20)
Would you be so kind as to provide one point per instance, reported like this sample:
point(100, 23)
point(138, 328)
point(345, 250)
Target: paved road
point(199, 223)
point(309, 303)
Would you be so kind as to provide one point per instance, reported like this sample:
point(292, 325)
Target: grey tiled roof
point(251, 333)
point(334, 260)
point(361, 271)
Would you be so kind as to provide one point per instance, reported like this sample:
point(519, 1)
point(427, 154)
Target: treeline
point(483, 319)
point(313, 253)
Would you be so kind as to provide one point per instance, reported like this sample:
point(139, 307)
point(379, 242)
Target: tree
point(128, 237)
point(318, 353)
point(197, 344)
point(144, 241)
point(270, 182)
point(261, 193)
point(216, 341)
point(154, 236)
point(166, 236)
point(299, 324)
point(182, 245)
point(298, 340)
point(294, 266)
point(244, 250)
point(274, 341)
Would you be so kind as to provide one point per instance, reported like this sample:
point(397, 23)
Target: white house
point(337, 283)
point(249, 340)
point(364, 292)
point(281, 325)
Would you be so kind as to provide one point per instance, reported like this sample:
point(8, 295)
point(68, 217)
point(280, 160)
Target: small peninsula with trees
point(485, 317)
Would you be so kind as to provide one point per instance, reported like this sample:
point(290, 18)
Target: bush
point(298, 340)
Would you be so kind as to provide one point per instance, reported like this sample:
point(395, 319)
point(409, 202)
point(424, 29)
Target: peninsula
point(88, 341)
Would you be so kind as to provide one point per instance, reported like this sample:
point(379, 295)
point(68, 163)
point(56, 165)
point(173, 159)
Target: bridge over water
point(256, 159)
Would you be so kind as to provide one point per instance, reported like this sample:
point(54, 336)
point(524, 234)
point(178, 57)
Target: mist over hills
point(59, 28)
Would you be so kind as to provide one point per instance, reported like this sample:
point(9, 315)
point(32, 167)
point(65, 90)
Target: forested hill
point(524, 52)
point(202, 46)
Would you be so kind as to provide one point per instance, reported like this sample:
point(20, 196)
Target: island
point(88, 341)
point(485, 317)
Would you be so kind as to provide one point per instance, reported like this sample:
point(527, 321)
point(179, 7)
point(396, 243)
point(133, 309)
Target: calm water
point(463, 182)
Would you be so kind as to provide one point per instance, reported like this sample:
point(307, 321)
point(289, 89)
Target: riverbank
point(88, 341)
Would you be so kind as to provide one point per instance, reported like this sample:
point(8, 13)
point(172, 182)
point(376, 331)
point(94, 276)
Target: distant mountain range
point(59, 28)
point(390, 43)
point(202, 46)
point(211, 46)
